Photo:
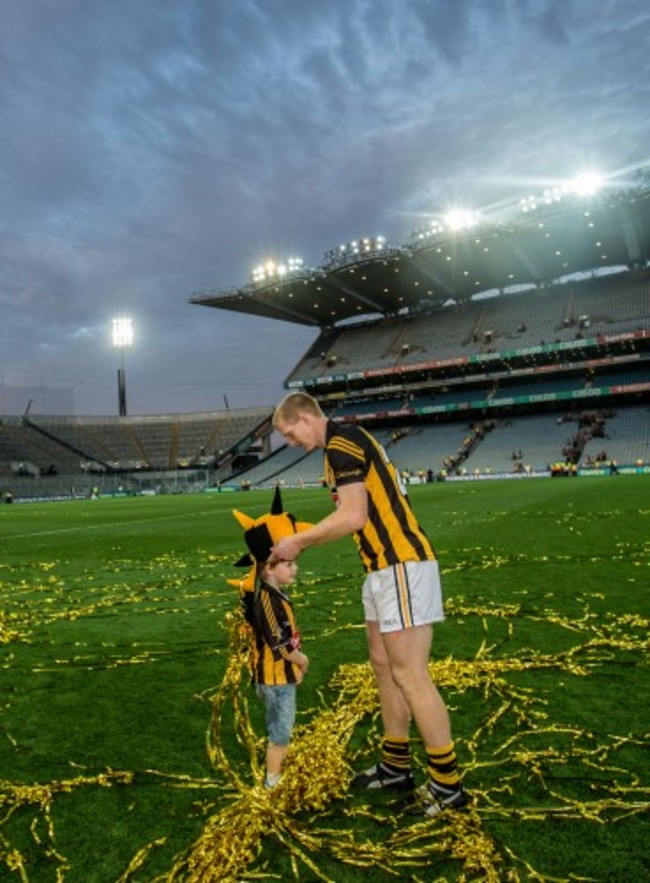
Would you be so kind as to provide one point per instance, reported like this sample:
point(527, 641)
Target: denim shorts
point(280, 703)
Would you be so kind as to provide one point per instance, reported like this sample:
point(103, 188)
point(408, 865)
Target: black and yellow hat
point(261, 534)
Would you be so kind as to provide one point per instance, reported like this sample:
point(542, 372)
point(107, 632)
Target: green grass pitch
point(114, 629)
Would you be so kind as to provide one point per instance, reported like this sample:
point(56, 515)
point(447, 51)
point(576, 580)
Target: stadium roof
point(538, 244)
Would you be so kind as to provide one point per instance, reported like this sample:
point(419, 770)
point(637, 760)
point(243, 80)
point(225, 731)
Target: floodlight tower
point(122, 339)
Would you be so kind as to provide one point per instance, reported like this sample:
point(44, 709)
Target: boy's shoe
point(379, 776)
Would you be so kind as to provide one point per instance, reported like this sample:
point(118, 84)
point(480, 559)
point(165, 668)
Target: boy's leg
point(275, 756)
point(280, 704)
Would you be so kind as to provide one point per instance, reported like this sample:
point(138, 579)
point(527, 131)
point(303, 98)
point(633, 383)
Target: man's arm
point(349, 516)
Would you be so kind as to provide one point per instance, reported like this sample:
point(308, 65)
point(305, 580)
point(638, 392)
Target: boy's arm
point(300, 659)
point(280, 639)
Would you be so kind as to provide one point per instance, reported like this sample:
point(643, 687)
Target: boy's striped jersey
point(269, 612)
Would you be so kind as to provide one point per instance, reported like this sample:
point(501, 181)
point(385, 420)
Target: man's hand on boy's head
point(286, 548)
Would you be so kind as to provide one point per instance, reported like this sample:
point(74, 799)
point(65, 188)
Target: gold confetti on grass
point(317, 774)
point(15, 796)
point(8, 632)
point(525, 743)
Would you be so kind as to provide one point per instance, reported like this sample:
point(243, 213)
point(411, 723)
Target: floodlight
point(272, 268)
point(587, 184)
point(122, 339)
point(460, 219)
point(122, 332)
point(551, 195)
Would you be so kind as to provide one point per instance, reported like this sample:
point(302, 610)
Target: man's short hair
point(293, 405)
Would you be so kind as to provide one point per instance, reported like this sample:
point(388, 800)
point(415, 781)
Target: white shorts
point(403, 595)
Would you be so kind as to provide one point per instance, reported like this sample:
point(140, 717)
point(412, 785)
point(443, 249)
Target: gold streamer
point(14, 797)
point(247, 817)
point(317, 773)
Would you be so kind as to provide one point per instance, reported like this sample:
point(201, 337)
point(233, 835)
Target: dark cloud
point(150, 150)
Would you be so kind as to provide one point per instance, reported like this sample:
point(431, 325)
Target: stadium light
point(454, 221)
point(460, 219)
point(357, 249)
point(272, 269)
point(583, 185)
point(122, 339)
point(587, 184)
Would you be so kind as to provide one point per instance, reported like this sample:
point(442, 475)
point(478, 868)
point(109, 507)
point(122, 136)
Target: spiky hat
point(261, 534)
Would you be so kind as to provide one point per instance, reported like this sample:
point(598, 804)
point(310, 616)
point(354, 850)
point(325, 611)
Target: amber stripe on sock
point(396, 753)
point(442, 765)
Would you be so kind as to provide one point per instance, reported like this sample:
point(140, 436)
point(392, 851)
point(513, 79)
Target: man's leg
point(394, 769)
point(395, 713)
point(408, 654)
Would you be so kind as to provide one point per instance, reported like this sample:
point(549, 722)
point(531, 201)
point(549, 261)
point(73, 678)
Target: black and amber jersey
point(270, 614)
point(391, 534)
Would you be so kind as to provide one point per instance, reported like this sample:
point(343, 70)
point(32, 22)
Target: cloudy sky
point(153, 149)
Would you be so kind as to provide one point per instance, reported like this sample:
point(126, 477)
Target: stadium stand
point(625, 439)
point(521, 445)
point(509, 349)
point(305, 471)
point(559, 314)
point(127, 452)
point(285, 464)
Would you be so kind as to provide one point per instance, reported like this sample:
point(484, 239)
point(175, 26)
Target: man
point(401, 595)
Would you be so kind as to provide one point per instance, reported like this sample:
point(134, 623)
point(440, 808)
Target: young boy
point(277, 662)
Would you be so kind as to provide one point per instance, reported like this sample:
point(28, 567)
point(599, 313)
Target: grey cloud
point(153, 149)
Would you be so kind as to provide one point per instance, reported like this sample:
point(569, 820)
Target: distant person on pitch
point(401, 596)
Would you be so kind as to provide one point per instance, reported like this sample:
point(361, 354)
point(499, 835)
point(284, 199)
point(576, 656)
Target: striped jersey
point(270, 614)
point(391, 534)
